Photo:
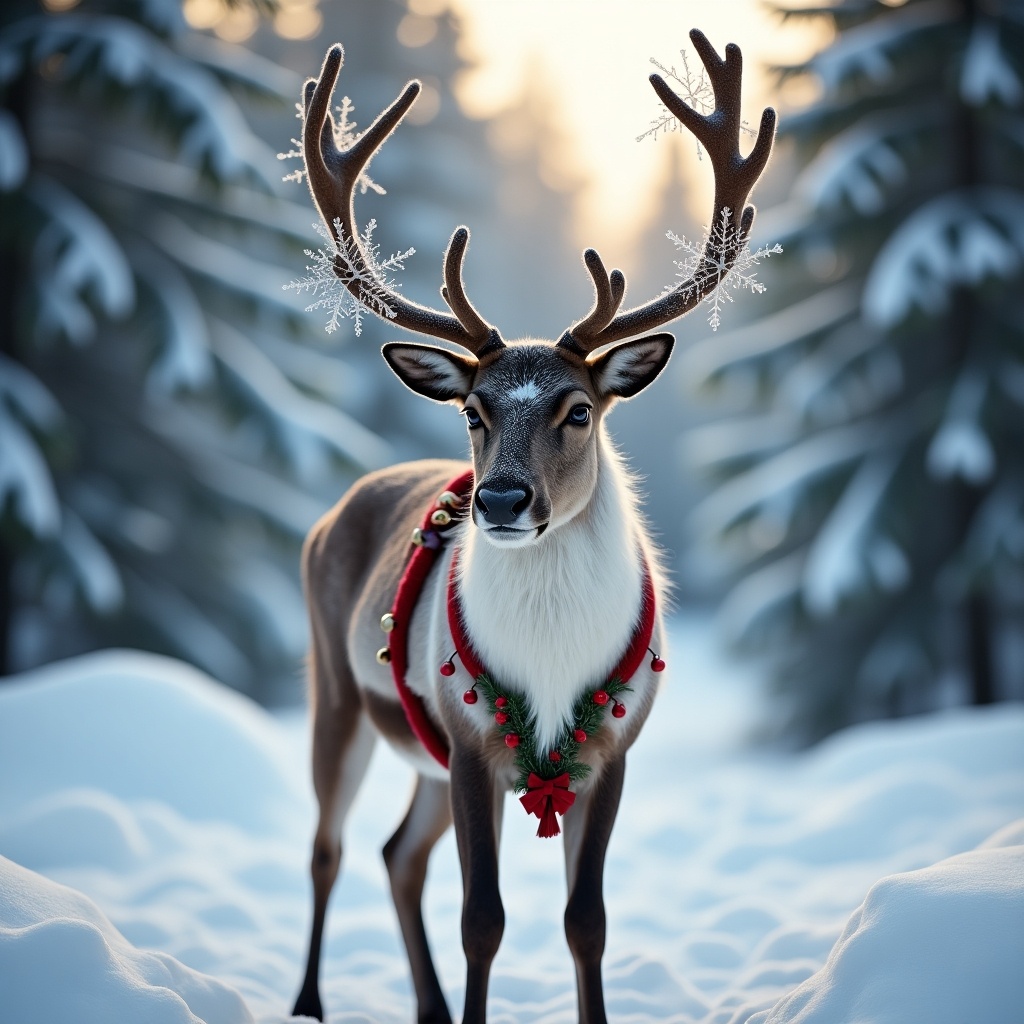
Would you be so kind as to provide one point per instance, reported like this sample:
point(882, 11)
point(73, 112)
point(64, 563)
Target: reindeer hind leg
point(343, 741)
point(405, 855)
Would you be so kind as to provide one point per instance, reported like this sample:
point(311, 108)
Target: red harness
point(424, 555)
point(425, 552)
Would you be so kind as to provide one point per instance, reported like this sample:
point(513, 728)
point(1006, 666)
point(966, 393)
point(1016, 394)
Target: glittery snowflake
point(724, 240)
point(333, 273)
point(345, 137)
point(698, 93)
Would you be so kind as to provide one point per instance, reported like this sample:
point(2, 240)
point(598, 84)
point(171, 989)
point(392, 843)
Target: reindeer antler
point(333, 174)
point(719, 134)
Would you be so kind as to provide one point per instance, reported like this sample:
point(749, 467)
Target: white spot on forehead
point(528, 391)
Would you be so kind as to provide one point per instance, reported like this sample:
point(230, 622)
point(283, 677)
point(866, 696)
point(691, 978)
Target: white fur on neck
point(555, 617)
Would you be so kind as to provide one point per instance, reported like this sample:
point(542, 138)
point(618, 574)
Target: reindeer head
point(534, 409)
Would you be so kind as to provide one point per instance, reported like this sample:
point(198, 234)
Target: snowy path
point(184, 812)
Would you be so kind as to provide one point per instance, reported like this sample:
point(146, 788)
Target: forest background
point(837, 468)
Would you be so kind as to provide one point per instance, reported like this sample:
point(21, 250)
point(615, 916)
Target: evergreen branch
point(563, 758)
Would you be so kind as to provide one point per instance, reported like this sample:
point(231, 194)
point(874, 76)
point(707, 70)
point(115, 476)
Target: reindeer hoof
point(308, 1005)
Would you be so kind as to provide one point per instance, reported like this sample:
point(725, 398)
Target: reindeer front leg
point(476, 810)
point(588, 827)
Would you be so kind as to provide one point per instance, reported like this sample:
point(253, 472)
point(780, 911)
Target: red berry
point(601, 698)
point(511, 740)
point(554, 756)
point(470, 697)
point(447, 669)
point(500, 717)
point(657, 665)
point(500, 702)
point(579, 736)
point(619, 711)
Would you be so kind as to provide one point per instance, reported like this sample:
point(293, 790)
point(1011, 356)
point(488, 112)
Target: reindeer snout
point(501, 508)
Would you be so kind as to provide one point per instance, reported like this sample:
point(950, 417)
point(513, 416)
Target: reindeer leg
point(588, 827)
point(343, 740)
point(476, 808)
point(405, 855)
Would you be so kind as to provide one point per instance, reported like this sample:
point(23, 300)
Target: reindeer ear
point(430, 371)
point(627, 369)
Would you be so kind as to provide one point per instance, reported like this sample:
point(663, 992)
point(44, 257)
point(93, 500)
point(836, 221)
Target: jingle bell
point(387, 622)
point(441, 517)
point(384, 656)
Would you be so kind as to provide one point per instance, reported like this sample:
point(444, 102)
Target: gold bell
point(417, 537)
point(387, 622)
point(441, 517)
point(449, 498)
point(384, 656)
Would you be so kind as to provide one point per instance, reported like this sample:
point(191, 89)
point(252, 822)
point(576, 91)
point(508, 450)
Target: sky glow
point(594, 56)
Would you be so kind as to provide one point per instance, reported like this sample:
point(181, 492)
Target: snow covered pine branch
point(514, 674)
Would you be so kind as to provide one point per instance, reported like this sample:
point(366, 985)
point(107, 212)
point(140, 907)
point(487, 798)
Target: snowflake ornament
point(698, 93)
point(332, 274)
point(724, 239)
point(345, 137)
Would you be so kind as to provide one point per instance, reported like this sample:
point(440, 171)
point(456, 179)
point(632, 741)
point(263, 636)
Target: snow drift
point(171, 819)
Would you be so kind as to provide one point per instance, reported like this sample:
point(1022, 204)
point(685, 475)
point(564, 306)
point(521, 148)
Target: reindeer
point(533, 566)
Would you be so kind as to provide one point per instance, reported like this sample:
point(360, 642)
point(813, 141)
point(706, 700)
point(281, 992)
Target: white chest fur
point(554, 618)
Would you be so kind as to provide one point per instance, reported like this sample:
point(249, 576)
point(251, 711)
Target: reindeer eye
point(579, 415)
point(472, 418)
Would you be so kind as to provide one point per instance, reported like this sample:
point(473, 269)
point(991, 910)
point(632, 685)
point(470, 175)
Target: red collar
point(624, 670)
point(427, 547)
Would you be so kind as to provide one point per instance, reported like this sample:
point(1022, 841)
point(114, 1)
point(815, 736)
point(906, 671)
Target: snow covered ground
point(156, 828)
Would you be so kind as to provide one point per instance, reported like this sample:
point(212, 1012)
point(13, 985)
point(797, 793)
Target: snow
point(960, 446)
point(836, 562)
point(156, 832)
point(870, 50)
point(13, 153)
point(957, 239)
point(95, 570)
point(986, 73)
point(859, 164)
point(128, 56)
point(904, 922)
point(85, 256)
point(25, 476)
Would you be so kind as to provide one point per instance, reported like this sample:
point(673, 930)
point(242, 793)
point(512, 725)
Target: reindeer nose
point(502, 507)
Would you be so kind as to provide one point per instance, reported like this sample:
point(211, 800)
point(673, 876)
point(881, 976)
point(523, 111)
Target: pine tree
point(167, 435)
point(873, 491)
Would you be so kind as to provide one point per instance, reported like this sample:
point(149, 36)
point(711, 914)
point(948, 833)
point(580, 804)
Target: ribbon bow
point(546, 798)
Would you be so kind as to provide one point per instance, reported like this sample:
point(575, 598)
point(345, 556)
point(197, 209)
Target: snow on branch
point(129, 59)
point(955, 240)
point(722, 240)
point(849, 553)
point(333, 276)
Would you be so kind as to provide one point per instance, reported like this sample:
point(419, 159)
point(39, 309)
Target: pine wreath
point(515, 723)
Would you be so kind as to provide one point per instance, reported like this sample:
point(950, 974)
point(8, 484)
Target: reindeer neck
point(555, 617)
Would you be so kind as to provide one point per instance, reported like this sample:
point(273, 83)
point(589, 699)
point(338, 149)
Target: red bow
point(545, 798)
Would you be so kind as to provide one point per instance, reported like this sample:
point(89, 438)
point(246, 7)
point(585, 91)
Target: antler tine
point(333, 175)
point(453, 291)
point(609, 290)
point(718, 132)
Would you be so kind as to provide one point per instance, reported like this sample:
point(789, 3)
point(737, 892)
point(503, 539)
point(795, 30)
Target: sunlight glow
point(293, 19)
point(202, 14)
point(416, 30)
point(595, 54)
point(297, 19)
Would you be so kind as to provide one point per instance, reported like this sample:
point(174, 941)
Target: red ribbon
point(546, 798)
